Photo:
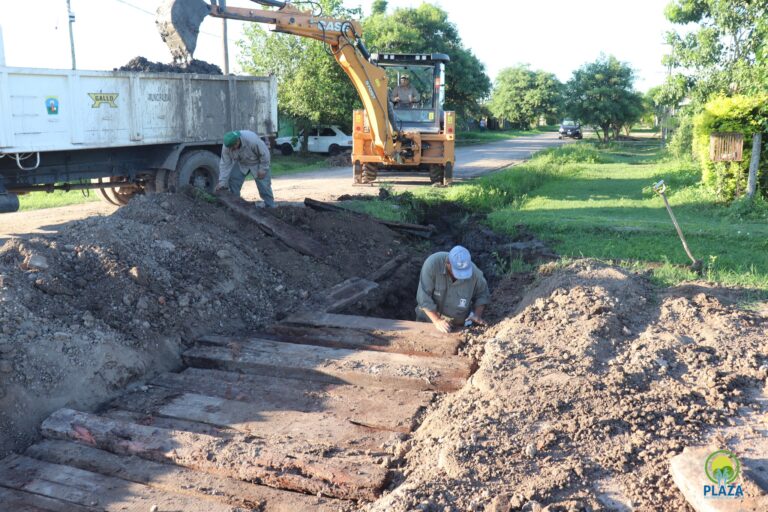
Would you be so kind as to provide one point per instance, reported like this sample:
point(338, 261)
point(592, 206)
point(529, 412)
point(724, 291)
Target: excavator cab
point(425, 132)
point(416, 90)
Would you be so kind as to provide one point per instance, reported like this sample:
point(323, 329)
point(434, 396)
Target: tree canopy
point(311, 86)
point(522, 96)
point(427, 29)
point(601, 94)
point(726, 51)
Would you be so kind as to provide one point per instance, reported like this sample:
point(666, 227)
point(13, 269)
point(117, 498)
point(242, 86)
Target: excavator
point(387, 135)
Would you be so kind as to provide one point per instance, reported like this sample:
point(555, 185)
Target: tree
point(311, 86)
point(521, 96)
point(600, 94)
point(726, 53)
point(426, 29)
point(378, 7)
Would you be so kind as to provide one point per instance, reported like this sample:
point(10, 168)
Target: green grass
point(283, 165)
point(40, 200)
point(596, 201)
point(470, 138)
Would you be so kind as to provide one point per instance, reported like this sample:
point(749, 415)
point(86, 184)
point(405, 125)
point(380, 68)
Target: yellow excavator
point(387, 135)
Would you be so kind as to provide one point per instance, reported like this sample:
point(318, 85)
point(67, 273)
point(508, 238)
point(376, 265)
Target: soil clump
point(144, 65)
point(583, 393)
point(110, 300)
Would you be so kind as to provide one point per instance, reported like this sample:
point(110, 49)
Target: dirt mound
point(341, 160)
point(110, 299)
point(194, 66)
point(582, 396)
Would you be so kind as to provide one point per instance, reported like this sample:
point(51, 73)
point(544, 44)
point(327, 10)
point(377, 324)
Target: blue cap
point(461, 262)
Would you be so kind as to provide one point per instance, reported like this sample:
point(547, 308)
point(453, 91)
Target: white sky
point(552, 35)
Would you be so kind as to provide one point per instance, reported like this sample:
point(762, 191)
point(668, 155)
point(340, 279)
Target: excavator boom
point(179, 24)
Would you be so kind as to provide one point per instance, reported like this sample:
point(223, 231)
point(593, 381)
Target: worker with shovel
point(247, 149)
point(452, 291)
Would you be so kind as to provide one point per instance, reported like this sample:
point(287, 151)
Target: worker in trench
point(452, 291)
point(246, 148)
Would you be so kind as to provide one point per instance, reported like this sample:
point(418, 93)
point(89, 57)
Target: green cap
point(231, 138)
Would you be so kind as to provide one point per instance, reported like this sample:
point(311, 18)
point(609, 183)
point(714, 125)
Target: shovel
point(660, 188)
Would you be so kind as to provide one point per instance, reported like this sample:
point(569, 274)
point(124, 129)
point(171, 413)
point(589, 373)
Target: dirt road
point(321, 184)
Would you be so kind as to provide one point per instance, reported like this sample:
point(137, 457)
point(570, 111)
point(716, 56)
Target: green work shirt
point(454, 299)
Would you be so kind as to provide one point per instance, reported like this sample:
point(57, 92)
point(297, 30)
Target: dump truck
point(386, 136)
point(121, 133)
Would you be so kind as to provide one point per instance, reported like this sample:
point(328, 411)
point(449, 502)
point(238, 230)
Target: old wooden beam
point(340, 366)
point(87, 489)
point(179, 480)
point(242, 457)
point(413, 229)
point(289, 235)
point(384, 409)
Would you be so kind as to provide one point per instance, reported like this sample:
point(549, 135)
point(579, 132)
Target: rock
point(88, 318)
point(530, 450)
point(184, 300)
point(5, 366)
point(223, 254)
point(142, 303)
point(37, 262)
point(166, 245)
point(62, 336)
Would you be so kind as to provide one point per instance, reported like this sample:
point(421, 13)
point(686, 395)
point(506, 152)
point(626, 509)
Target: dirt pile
point(110, 299)
point(144, 65)
point(341, 160)
point(582, 396)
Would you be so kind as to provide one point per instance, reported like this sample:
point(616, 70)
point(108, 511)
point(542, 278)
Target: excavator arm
point(179, 24)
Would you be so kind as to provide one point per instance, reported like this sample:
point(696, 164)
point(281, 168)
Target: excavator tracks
point(308, 415)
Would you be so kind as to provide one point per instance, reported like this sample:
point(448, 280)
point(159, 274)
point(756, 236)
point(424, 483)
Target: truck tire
point(436, 173)
point(118, 196)
point(357, 172)
point(448, 174)
point(334, 150)
point(370, 172)
point(199, 169)
point(286, 149)
point(158, 183)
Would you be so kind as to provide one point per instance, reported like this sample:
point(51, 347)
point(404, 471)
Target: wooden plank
point(385, 270)
point(340, 366)
point(345, 293)
point(180, 480)
point(367, 323)
point(385, 409)
point(241, 457)
point(20, 501)
point(289, 235)
point(282, 430)
point(89, 489)
point(150, 420)
point(401, 342)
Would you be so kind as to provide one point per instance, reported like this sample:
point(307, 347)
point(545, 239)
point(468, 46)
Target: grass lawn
point(589, 201)
point(282, 165)
point(470, 138)
point(39, 200)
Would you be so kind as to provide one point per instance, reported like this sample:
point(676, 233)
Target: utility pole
point(71, 35)
point(226, 46)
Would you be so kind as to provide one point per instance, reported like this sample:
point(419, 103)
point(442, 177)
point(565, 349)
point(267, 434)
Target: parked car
point(569, 128)
point(322, 139)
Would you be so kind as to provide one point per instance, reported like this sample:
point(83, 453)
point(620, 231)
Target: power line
point(154, 14)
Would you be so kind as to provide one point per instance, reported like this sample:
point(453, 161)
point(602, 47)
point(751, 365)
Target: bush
point(681, 143)
point(743, 114)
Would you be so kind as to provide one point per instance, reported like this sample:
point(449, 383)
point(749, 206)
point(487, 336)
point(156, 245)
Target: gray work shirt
point(454, 299)
point(252, 155)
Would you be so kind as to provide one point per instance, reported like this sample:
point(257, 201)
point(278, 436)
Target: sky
point(558, 36)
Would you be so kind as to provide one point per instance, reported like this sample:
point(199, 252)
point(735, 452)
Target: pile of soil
point(109, 300)
point(144, 65)
point(582, 395)
point(341, 160)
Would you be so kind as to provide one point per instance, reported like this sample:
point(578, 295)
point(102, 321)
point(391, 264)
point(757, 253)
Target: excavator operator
point(405, 95)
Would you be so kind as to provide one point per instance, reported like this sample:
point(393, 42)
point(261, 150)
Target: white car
point(322, 139)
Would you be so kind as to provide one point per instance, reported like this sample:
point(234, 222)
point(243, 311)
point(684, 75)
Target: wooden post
point(757, 139)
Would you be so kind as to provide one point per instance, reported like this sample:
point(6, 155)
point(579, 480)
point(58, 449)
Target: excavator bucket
point(179, 24)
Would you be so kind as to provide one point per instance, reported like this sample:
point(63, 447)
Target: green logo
point(722, 467)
